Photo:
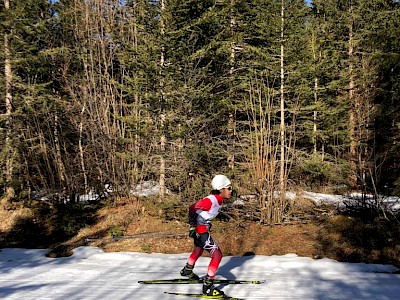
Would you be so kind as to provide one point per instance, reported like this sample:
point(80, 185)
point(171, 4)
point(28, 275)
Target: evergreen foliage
point(99, 85)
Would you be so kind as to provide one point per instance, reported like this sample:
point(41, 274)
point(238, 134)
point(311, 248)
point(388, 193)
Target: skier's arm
point(197, 208)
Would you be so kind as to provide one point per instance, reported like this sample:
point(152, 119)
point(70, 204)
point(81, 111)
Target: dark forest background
point(277, 95)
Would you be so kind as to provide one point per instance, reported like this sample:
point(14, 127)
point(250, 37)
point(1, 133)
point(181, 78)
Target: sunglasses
point(229, 188)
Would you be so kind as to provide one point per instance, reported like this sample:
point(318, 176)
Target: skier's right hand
point(193, 233)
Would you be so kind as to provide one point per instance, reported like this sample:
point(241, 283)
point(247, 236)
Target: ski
point(203, 296)
point(192, 281)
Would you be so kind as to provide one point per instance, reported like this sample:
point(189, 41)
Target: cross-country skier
point(200, 215)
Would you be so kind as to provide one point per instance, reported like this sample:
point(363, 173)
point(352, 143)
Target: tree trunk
point(81, 152)
point(232, 118)
point(315, 113)
point(162, 105)
point(282, 176)
point(8, 84)
point(58, 157)
point(352, 110)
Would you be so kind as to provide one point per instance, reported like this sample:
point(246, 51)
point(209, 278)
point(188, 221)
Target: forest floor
point(129, 225)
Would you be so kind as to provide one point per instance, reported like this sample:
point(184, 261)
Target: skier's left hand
point(193, 233)
point(209, 225)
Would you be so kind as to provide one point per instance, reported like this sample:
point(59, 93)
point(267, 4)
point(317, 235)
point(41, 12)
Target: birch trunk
point(316, 87)
point(8, 85)
point(232, 118)
point(282, 176)
point(58, 158)
point(315, 114)
point(81, 152)
point(136, 145)
point(352, 110)
point(162, 100)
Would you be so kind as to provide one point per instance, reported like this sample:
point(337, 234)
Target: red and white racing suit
point(200, 215)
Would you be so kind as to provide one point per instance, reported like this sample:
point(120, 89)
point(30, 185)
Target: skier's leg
point(216, 257)
point(207, 243)
point(194, 256)
point(208, 285)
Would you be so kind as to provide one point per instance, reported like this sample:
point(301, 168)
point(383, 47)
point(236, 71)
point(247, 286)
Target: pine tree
point(323, 118)
point(137, 60)
point(382, 19)
point(349, 50)
point(30, 24)
point(194, 35)
point(363, 87)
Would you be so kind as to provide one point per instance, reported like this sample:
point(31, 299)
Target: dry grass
point(233, 240)
point(9, 214)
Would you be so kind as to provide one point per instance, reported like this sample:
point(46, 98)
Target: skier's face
point(226, 192)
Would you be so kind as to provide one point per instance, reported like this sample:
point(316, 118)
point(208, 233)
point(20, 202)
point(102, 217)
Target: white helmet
point(219, 182)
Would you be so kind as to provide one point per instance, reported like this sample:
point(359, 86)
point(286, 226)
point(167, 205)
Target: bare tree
point(97, 96)
point(263, 145)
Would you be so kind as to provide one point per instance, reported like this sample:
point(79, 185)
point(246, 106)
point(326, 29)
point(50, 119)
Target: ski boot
point(187, 271)
point(210, 290)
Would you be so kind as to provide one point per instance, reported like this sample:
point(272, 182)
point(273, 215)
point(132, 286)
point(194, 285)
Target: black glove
point(193, 233)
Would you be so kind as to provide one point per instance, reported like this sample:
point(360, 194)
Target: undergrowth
point(63, 227)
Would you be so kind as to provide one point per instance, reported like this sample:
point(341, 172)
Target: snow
point(143, 189)
point(91, 273)
point(389, 203)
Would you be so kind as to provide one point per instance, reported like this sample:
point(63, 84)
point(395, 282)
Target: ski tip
point(261, 281)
